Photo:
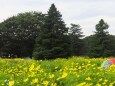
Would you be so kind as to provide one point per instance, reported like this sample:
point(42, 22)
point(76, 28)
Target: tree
point(19, 32)
point(53, 40)
point(100, 41)
point(76, 43)
point(90, 42)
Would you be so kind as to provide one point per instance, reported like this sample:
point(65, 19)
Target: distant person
point(106, 64)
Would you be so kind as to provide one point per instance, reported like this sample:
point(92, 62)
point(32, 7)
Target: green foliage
point(74, 71)
point(76, 42)
point(52, 41)
point(101, 44)
point(18, 34)
point(101, 41)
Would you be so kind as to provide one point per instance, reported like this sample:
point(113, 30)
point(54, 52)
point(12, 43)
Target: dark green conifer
point(52, 41)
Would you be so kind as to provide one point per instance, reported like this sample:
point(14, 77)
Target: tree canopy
point(46, 36)
point(76, 43)
point(18, 34)
point(52, 42)
point(100, 44)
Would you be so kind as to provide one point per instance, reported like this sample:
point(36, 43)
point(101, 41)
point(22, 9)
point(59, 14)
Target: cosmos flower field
point(75, 71)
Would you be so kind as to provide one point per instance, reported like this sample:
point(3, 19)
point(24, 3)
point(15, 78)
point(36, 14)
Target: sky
point(86, 13)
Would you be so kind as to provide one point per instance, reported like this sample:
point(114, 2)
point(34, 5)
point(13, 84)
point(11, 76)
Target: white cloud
point(87, 13)
point(88, 24)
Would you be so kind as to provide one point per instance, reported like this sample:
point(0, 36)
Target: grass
point(74, 71)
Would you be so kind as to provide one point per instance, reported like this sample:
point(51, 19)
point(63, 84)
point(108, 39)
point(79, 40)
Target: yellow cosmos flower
point(64, 75)
point(84, 84)
point(79, 68)
point(105, 80)
point(25, 80)
point(35, 80)
point(104, 83)
point(111, 84)
point(53, 84)
point(11, 83)
point(45, 83)
point(81, 84)
point(100, 79)
point(88, 78)
point(38, 67)
point(56, 67)
point(51, 76)
point(31, 67)
point(98, 84)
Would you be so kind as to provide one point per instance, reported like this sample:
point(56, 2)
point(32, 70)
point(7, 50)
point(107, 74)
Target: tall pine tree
point(52, 41)
point(100, 45)
point(76, 43)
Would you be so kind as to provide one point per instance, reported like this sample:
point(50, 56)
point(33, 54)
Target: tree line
point(45, 36)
